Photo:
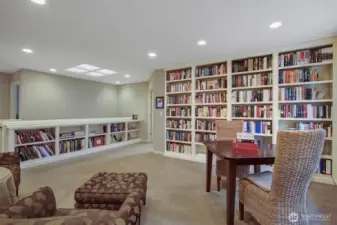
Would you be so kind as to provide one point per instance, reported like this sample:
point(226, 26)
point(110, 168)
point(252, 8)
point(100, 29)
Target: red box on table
point(245, 148)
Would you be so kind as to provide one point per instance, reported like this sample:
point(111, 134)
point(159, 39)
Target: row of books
point(23, 137)
point(325, 167)
point(179, 75)
point(257, 127)
point(258, 111)
point(34, 152)
point(179, 87)
point(210, 98)
point(313, 126)
point(252, 96)
point(308, 111)
point(211, 84)
point(116, 127)
point(72, 134)
point(298, 76)
point(72, 145)
point(179, 111)
point(252, 64)
point(179, 124)
point(213, 111)
point(178, 136)
point(179, 148)
point(201, 137)
point(300, 93)
point(305, 57)
point(206, 71)
point(253, 80)
point(96, 141)
point(205, 125)
point(181, 99)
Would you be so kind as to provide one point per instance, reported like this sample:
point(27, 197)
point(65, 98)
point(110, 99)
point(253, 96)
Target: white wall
point(5, 80)
point(133, 99)
point(48, 96)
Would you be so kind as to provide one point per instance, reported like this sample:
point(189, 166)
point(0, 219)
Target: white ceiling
point(118, 34)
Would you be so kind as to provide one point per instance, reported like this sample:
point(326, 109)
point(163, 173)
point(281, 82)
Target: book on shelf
point(314, 126)
point(265, 95)
point(211, 84)
point(180, 87)
point(201, 137)
point(206, 125)
point(257, 127)
point(325, 167)
point(180, 99)
point(71, 145)
point(257, 111)
point(211, 98)
point(179, 111)
point(211, 111)
point(299, 76)
point(179, 124)
point(178, 136)
point(308, 111)
point(304, 57)
point(73, 134)
point(179, 148)
point(211, 70)
point(23, 137)
point(179, 75)
point(252, 80)
point(96, 141)
point(252, 64)
point(35, 151)
point(117, 127)
point(300, 93)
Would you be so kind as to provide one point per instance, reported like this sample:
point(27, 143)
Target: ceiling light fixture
point(117, 82)
point(106, 72)
point(76, 70)
point(39, 2)
point(88, 67)
point(275, 25)
point(202, 42)
point(52, 70)
point(27, 50)
point(95, 74)
point(152, 55)
point(126, 75)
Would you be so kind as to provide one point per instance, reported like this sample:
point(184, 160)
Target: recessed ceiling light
point(106, 72)
point(275, 25)
point(40, 2)
point(202, 42)
point(117, 82)
point(27, 50)
point(76, 70)
point(126, 75)
point(152, 54)
point(88, 67)
point(52, 70)
point(95, 74)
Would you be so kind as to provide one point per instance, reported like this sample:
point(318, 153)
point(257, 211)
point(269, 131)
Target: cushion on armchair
point(39, 204)
point(262, 180)
point(67, 220)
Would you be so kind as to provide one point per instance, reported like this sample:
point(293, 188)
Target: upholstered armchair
point(39, 208)
point(272, 197)
point(227, 130)
point(11, 161)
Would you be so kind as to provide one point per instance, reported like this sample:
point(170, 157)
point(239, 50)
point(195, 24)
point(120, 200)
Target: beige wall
point(48, 96)
point(5, 80)
point(157, 85)
point(133, 99)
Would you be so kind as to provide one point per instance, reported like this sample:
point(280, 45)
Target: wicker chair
point(272, 197)
point(11, 161)
point(227, 130)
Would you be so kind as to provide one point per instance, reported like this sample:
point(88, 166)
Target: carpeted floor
point(176, 188)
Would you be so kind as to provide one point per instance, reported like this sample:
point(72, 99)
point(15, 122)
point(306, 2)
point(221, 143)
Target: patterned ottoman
point(109, 190)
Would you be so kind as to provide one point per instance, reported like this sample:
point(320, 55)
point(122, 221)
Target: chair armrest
point(11, 161)
point(131, 208)
point(39, 204)
point(67, 220)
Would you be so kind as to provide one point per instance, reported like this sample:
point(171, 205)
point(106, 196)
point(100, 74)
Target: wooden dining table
point(224, 150)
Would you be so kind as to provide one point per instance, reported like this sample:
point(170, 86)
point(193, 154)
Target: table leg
point(209, 160)
point(231, 187)
point(257, 168)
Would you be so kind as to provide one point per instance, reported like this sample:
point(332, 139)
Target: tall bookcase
point(263, 91)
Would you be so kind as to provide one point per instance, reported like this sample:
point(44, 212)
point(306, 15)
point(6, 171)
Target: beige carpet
point(176, 188)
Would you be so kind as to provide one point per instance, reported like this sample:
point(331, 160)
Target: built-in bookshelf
point(306, 96)
point(179, 111)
